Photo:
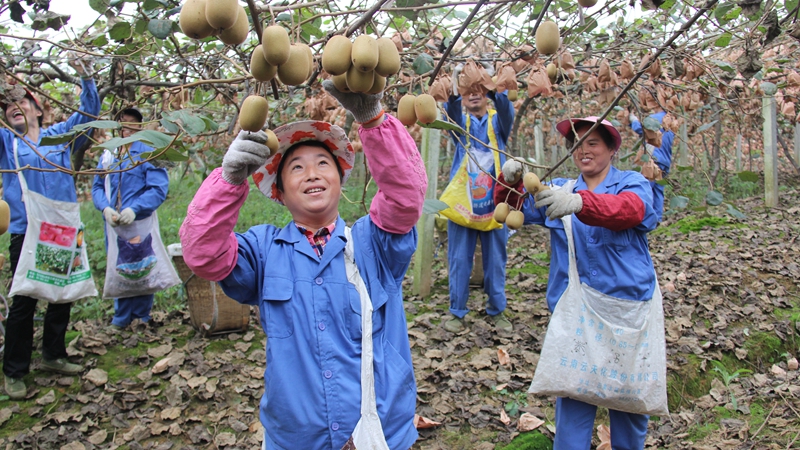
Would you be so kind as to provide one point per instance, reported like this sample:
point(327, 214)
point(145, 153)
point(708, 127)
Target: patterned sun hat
point(565, 128)
point(328, 134)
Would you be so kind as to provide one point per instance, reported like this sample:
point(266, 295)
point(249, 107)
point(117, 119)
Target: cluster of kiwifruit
point(293, 63)
point(224, 18)
point(362, 65)
point(412, 108)
point(513, 217)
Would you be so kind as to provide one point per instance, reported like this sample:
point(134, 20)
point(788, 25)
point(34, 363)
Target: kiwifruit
point(378, 85)
point(336, 55)
point(513, 95)
point(295, 70)
point(310, 56)
point(547, 38)
point(501, 212)
point(272, 142)
point(405, 110)
point(425, 108)
point(532, 183)
point(237, 34)
point(5, 216)
point(587, 3)
point(340, 81)
point(259, 67)
point(364, 54)
point(552, 72)
point(221, 14)
point(359, 81)
point(388, 58)
point(275, 40)
point(515, 219)
point(253, 114)
point(193, 19)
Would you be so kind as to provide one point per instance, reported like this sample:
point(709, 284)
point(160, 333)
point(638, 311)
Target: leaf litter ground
point(732, 308)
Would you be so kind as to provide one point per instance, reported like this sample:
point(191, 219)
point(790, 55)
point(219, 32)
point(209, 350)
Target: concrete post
point(423, 257)
point(769, 111)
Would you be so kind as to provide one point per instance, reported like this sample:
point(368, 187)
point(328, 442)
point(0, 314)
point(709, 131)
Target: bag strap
point(574, 278)
point(368, 403)
point(22, 184)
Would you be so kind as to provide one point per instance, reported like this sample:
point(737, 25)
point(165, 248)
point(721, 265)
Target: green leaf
point(101, 41)
point(57, 139)
point(100, 124)
point(170, 126)
point(210, 124)
point(100, 6)
point(120, 31)
point(721, 10)
point(423, 64)
point(153, 138)
point(651, 124)
point(645, 157)
point(170, 154)
point(723, 40)
point(679, 202)
point(685, 168)
point(747, 175)
point(714, 198)
point(724, 66)
point(433, 206)
point(705, 126)
point(735, 212)
point(790, 4)
point(150, 5)
point(442, 125)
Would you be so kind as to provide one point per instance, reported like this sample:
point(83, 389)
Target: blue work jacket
point(663, 157)
point(479, 128)
point(142, 188)
point(53, 185)
point(311, 314)
point(616, 263)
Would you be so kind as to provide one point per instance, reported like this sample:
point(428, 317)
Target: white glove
point(559, 202)
point(111, 216)
point(126, 216)
point(456, 73)
point(245, 155)
point(512, 171)
point(632, 117)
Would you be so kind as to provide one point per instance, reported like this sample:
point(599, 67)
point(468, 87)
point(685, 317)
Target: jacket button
point(327, 374)
point(594, 272)
point(321, 326)
point(318, 280)
point(335, 426)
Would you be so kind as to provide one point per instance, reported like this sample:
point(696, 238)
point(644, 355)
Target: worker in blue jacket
point(25, 117)
point(662, 156)
point(135, 192)
point(492, 127)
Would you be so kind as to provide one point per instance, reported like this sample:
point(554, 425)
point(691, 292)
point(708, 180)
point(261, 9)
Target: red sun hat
point(565, 128)
point(331, 136)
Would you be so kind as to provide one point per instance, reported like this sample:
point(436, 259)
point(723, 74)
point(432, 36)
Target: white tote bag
point(603, 350)
point(138, 263)
point(53, 264)
point(368, 434)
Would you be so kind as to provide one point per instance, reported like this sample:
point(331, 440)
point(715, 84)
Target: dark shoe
point(454, 325)
point(62, 366)
point(502, 323)
point(15, 388)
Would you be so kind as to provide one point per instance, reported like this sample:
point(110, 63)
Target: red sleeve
point(615, 212)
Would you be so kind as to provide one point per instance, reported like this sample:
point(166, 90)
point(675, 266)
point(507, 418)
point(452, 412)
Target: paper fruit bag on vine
point(474, 79)
point(506, 78)
point(442, 88)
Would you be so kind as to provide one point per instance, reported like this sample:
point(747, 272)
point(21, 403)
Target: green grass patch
point(765, 348)
point(687, 382)
point(532, 440)
point(689, 224)
point(701, 430)
point(529, 268)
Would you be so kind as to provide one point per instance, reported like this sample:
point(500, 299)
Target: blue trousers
point(461, 243)
point(575, 424)
point(128, 309)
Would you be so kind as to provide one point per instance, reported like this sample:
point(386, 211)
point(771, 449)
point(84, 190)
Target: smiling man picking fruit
point(312, 278)
point(25, 117)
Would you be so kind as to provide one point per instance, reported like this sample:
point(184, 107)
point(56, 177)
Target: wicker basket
point(210, 310)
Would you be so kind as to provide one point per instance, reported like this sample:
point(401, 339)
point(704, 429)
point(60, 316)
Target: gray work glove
point(111, 216)
point(245, 155)
point(559, 202)
point(632, 117)
point(456, 73)
point(512, 171)
point(363, 107)
point(126, 216)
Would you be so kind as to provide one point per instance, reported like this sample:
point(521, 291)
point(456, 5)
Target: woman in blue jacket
point(612, 213)
point(135, 192)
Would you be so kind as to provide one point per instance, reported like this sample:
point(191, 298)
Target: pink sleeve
point(615, 212)
point(396, 165)
point(209, 246)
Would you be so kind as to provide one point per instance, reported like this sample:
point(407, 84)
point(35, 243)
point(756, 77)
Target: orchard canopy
point(707, 63)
